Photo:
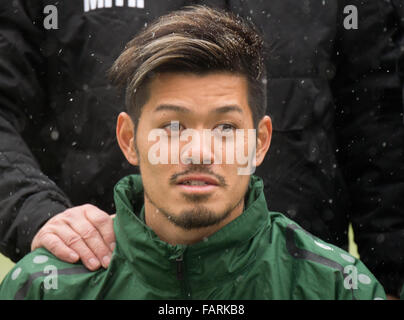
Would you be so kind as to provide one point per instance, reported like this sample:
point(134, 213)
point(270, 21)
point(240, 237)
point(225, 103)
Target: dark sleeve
point(27, 197)
point(370, 128)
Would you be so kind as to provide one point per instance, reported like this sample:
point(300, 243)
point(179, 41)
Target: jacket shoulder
point(40, 275)
point(333, 267)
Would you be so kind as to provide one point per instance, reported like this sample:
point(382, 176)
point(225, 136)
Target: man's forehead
point(226, 80)
point(224, 91)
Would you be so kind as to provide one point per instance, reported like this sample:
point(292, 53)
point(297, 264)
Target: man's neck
point(167, 231)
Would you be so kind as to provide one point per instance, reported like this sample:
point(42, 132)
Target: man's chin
point(195, 198)
point(197, 217)
point(196, 211)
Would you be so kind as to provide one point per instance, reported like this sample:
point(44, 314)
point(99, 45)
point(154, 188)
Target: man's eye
point(225, 127)
point(173, 126)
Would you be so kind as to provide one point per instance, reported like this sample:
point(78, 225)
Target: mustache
point(198, 169)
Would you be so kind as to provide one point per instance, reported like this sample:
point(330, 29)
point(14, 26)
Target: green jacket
point(259, 255)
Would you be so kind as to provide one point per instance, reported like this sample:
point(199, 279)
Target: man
point(195, 223)
point(334, 83)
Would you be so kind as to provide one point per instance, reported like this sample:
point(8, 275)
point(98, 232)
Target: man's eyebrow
point(228, 109)
point(170, 107)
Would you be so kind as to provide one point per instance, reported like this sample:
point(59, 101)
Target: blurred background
point(5, 266)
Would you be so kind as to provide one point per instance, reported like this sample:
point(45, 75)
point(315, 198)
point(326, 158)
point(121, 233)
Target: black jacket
point(334, 95)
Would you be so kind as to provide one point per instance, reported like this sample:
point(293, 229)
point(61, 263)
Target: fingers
point(95, 232)
point(84, 239)
point(83, 232)
point(55, 245)
point(74, 241)
point(104, 225)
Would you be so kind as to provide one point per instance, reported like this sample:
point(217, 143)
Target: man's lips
point(197, 180)
point(197, 183)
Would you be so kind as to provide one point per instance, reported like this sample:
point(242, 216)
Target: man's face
point(190, 193)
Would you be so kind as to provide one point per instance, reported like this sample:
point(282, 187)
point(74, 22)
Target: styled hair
point(195, 39)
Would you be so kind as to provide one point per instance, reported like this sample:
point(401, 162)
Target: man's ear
point(264, 136)
point(125, 135)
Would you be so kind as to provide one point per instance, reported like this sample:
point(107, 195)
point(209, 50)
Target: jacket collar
point(150, 256)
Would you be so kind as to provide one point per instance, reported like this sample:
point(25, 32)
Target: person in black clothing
point(335, 96)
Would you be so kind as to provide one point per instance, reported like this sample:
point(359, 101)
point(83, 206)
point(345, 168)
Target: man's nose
point(199, 149)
